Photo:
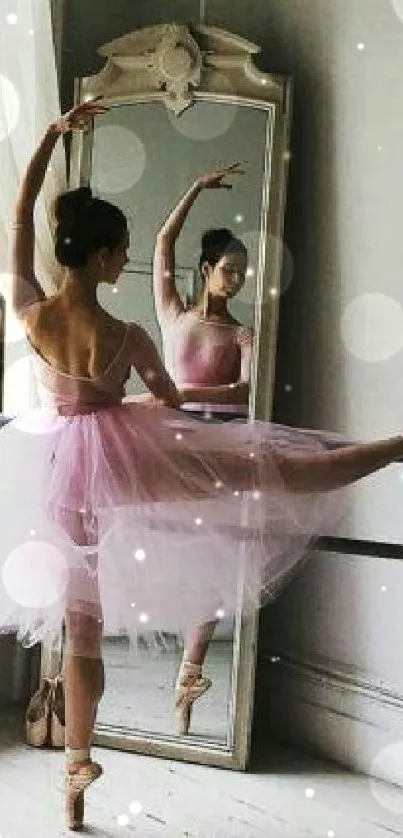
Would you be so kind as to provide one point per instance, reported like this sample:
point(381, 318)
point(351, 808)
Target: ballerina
point(208, 354)
point(136, 514)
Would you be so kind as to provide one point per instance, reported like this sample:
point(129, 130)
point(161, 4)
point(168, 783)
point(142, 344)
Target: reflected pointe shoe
point(190, 686)
point(78, 778)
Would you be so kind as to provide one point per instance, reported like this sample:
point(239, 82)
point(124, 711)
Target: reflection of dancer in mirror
point(112, 489)
point(208, 355)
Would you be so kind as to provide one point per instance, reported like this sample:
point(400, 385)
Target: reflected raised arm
point(167, 300)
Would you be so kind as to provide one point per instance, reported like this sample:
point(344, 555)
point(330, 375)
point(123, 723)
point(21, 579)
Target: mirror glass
point(144, 158)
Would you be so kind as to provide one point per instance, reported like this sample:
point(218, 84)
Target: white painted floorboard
point(192, 801)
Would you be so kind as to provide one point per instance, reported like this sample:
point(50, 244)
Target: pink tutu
point(144, 517)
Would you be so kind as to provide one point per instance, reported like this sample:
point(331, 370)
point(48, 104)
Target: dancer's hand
point(80, 117)
point(215, 180)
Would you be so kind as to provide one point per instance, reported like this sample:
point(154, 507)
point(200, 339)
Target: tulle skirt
point(145, 518)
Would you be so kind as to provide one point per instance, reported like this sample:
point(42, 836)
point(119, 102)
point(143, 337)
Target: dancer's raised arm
point(167, 300)
point(26, 288)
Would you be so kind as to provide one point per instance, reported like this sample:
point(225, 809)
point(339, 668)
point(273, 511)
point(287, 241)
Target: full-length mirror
point(203, 279)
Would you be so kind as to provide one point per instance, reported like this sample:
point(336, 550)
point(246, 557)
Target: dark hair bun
point(84, 225)
point(70, 204)
point(216, 239)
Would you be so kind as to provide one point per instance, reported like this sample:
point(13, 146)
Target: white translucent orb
point(205, 122)
point(35, 574)
point(10, 107)
point(144, 618)
point(129, 157)
point(309, 793)
point(140, 555)
point(388, 765)
point(135, 808)
point(35, 421)
point(372, 327)
point(14, 332)
point(123, 820)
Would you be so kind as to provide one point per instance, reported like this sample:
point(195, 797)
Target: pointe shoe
point(78, 778)
point(190, 686)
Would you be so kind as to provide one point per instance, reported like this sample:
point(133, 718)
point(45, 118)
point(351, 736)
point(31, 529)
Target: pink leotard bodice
point(201, 352)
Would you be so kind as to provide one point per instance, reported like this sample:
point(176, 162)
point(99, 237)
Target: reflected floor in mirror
point(140, 689)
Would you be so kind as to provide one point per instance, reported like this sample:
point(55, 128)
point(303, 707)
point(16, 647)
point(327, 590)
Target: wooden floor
point(289, 795)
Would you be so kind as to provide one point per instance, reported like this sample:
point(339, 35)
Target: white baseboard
point(347, 717)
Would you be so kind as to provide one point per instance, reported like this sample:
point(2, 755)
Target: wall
point(336, 629)
point(338, 686)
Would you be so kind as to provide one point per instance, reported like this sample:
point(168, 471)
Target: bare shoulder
point(112, 326)
point(35, 315)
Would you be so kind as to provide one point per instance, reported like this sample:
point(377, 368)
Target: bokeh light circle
point(35, 574)
point(10, 107)
point(14, 331)
point(397, 6)
point(245, 299)
point(372, 327)
point(129, 159)
point(206, 123)
point(388, 764)
point(38, 421)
